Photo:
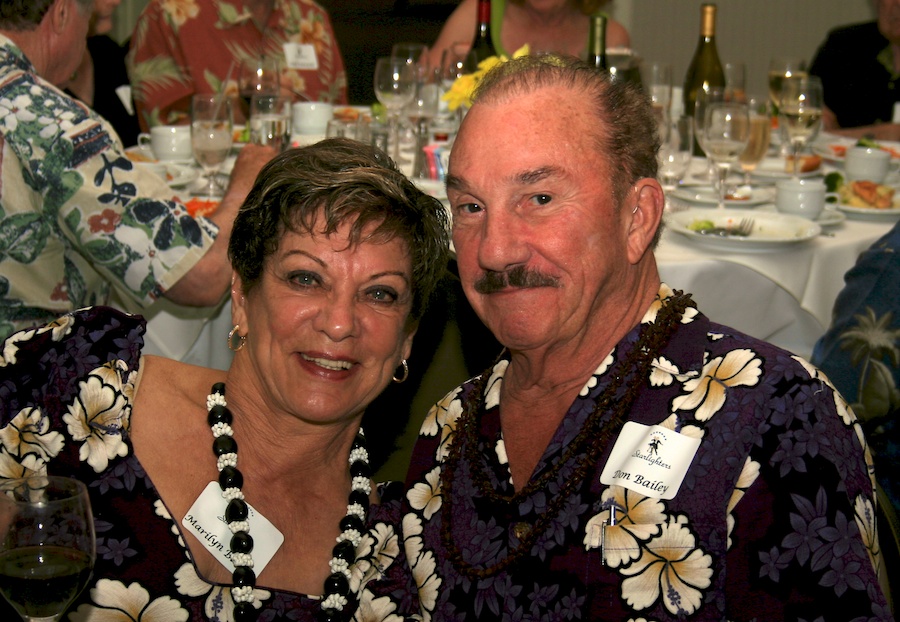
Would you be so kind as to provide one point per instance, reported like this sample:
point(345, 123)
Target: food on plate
point(840, 151)
point(741, 193)
point(241, 134)
point(867, 194)
point(136, 155)
point(201, 207)
point(701, 225)
point(349, 114)
point(808, 163)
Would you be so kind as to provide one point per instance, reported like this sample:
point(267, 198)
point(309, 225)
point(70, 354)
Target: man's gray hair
point(25, 15)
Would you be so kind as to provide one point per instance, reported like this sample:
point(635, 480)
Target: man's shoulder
point(865, 33)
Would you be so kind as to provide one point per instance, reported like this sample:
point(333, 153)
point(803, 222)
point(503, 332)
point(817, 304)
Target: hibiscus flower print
point(373, 609)
point(15, 110)
point(113, 601)
point(99, 417)
point(104, 222)
point(638, 518)
point(706, 394)
point(671, 568)
point(425, 496)
point(180, 11)
point(377, 550)
point(219, 604)
point(29, 438)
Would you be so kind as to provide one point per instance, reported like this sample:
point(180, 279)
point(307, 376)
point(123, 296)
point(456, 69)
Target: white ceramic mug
point(801, 197)
point(311, 117)
point(169, 143)
point(867, 164)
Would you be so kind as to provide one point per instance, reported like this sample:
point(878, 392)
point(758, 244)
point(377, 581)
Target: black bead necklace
point(338, 602)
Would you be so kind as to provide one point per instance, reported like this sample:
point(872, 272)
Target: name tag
point(651, 460)
point(206, 521)
point(896, 117)
point(301, 56)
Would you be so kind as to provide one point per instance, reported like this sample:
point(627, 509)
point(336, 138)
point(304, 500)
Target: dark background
point(366, 29)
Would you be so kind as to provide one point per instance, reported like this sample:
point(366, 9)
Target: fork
point(744, 228)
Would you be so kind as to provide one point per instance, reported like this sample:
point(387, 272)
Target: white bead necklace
point(338, 602)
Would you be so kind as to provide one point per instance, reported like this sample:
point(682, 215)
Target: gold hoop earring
point(241, 339)
point(404, 375)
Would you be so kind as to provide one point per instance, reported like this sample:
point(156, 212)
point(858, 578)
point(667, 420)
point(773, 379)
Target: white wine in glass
point(211, 138)
point(47, 544)
point(779, 69)
point(800, 113)
point(760, 134)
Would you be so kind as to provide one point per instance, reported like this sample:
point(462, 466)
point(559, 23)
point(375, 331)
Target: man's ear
point(644, 217)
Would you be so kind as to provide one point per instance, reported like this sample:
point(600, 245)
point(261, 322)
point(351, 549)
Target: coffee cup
point(801, 197)
point(169, 143)
point(867, 164)
point(311, 117)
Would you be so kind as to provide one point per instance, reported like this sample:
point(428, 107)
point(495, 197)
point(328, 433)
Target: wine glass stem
point(796, 148)
point(723, 175)
point(395, 136)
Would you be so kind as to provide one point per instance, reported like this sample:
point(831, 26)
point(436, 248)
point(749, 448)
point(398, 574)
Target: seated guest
point(180, 49)
point(626, 458)
point(860, 352)
point(100, 81)
point(335, 255)
point(860, 66)
point(79, 218)
point(558, 26)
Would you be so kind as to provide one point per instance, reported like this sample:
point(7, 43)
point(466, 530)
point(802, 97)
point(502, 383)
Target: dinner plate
point(708, 196)
point(178, 175)
point(833, 148)
point(771, 230)
point(870, 213)
point(774, 168)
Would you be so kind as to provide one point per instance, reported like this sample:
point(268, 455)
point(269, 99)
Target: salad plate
point(708, 196)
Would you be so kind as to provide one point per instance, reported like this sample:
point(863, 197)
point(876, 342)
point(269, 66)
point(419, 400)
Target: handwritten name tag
point(206, 521)
point(651, 460)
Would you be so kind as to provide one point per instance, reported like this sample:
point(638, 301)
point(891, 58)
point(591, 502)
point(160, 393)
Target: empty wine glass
point(726, 132)
point(800, 113)
point(47, 544)
point(395, 87)
point(211, 137)
point(258, 76)
point(760, 132)
point(705, 97)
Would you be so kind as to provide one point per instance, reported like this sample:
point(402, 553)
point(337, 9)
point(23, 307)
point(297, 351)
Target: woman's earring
point(404, 374)
point(241, 339)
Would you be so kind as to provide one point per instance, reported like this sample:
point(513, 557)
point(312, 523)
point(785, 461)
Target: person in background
point(860, 352)
point(335, 256)
point(860, 70)
point(626, 458)
point(101, 81)
point(190, 47)
point(79, 218)
point(559, 26)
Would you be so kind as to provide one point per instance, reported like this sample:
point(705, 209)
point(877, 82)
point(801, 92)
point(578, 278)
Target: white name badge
point(301, 56)
point(206, 521)
point(651, 460)
point(896, 116)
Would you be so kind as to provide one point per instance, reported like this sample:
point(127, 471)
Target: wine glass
point(800, 112)
point(258, 76)
point(726, 133)
point(706, 97)
point(760, 132)
point(270, 117)
point(211, 137)
point(47, 544)
point(659, 86)
point(395, 87)
point(779, 69)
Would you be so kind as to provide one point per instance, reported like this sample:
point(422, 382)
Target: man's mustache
point(520, 276)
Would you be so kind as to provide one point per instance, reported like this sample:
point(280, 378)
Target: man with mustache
point(625, 458)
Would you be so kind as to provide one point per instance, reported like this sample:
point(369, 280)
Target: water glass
point(270, 120)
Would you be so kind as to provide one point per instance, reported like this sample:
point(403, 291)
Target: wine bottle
point(597, 42)
point(482, 45)
point(705, 70)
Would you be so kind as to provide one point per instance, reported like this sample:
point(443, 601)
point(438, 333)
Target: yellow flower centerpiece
point(460, 93)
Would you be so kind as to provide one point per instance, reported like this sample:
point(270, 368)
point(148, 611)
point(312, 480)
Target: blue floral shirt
point(77, 218)
point(775, 518)
point(860, 352)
